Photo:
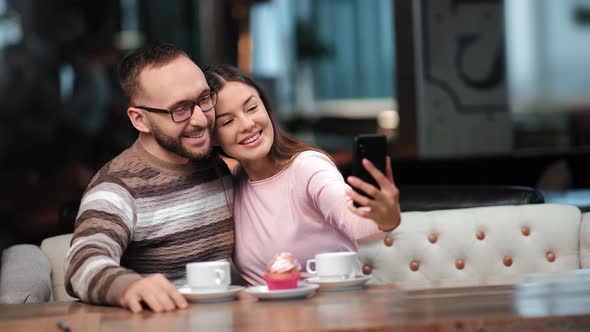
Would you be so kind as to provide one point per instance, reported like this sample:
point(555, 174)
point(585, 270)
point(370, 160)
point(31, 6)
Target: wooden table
point(543, 302)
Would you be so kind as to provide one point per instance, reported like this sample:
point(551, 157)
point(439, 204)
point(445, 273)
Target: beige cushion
point(56, 248)
point(585, 241)
point(552, 229)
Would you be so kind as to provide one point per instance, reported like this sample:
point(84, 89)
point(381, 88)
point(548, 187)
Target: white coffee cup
point(208, 275)
point(334, 265)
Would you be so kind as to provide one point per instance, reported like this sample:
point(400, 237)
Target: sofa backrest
point(476, 243)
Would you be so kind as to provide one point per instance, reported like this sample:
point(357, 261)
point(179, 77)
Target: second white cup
point(334, 265)
point(208, 275)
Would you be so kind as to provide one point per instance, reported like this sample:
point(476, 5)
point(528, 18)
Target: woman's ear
point(138, 119)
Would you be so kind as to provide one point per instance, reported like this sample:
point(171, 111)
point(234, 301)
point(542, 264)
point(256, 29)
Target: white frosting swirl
point(283, 262)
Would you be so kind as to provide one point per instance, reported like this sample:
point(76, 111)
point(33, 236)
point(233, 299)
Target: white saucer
point(338, 285)
point(210, 295)
point(263, 293)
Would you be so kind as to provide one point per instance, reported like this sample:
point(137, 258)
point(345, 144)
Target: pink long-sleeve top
point(302, 210)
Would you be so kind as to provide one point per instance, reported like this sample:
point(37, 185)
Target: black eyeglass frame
point(212, 96)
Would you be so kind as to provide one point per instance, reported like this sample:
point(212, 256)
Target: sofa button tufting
point(550, 256)
point(388, 240)
point(414, 266)
point(459, 264)
point(432, 238)
point(507, 260)
point(480, 235)
point(367, 270)
point(526, 231)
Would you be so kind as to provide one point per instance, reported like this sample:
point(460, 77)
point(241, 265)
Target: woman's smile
point(252, 140)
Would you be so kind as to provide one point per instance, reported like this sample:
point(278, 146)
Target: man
point(160, 204)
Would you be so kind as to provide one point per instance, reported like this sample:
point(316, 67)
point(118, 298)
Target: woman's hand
point(381, 205)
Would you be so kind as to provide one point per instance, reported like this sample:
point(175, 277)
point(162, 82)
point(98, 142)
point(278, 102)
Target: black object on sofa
point(427, 198)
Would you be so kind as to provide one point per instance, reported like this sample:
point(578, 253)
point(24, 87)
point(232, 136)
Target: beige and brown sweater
point(140, 215)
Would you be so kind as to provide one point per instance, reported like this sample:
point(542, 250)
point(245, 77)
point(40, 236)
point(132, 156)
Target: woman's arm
point(324, 187)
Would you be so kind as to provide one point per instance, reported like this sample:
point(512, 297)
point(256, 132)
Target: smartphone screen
point(372, 147)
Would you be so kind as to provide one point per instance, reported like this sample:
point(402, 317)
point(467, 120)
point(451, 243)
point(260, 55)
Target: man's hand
point(156, 292)
point(382, 205)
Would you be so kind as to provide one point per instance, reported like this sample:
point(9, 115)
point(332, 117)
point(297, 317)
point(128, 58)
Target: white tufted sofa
point(479, 245)
point(485, 245)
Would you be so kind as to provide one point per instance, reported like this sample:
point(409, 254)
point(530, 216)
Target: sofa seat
point(478, 245)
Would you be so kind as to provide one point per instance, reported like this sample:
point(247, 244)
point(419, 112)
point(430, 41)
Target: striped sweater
point(140, 215)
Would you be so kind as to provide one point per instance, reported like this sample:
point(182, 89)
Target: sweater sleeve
point(104, 227)
point(325, 187)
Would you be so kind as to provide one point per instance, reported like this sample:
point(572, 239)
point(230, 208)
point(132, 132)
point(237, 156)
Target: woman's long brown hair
point(284, 146)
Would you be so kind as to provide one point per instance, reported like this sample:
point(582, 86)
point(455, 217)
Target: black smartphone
point(374, 148)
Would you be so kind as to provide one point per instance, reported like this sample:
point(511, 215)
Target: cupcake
point(282, 272)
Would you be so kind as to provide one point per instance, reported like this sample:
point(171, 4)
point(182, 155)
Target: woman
point(289, 196)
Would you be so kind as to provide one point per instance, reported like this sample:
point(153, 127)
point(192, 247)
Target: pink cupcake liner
point(284, 283)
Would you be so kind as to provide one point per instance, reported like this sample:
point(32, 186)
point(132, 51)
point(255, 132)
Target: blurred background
point(468, 92)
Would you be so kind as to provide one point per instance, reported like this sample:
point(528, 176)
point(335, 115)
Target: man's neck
point(152, 147)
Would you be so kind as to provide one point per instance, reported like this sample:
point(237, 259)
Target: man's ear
point(138, 119)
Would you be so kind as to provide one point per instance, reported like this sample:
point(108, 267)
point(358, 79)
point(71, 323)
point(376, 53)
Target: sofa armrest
point(25, 276)
point(429, 198)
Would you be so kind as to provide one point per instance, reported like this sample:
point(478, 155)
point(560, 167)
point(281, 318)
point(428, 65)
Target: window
point(329, 57)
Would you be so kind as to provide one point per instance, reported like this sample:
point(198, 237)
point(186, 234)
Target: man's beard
point(175, 146)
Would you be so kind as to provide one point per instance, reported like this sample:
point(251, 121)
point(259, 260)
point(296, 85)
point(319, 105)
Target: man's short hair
point(153, 55)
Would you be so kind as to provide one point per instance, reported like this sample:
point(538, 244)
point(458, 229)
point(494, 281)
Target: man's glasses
point(185, 110)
